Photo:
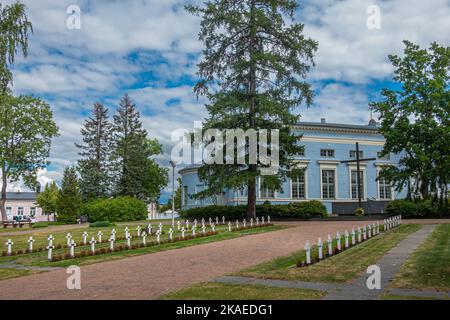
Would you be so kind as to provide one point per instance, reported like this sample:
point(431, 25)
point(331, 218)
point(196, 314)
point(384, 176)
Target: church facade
point(325, 177)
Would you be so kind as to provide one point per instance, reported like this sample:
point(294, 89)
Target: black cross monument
point(358, 172)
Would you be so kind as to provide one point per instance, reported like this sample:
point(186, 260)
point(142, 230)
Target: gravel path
point(152, 275)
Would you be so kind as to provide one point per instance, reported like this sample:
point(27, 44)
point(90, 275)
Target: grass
point(223, 291)
point(429, 266)
point(339, 268)
point(398, 297)
point(40, 258)
point(13, 273)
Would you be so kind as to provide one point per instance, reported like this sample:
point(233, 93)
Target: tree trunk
point(251, 194)
point(3, 195)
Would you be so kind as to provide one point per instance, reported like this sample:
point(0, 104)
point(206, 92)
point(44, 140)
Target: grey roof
point(190, 167)
point(21, 196)
point(339, 125)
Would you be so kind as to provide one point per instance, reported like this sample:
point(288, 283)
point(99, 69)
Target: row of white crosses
point(244, 223)
point(357, 236)
point(392, 222)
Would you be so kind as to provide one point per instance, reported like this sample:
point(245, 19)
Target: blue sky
point(149, 49)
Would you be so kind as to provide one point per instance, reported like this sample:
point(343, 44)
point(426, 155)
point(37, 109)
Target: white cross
point(50, 252)
point(268, 219)
point(329, 242)
point(126, 232)
point(229, 226)
point(150, 229)
point(182, 232)
point(353, 237)
point(223, 219)
point(187, 224)
point(170, 234)
point(193, 230)
point(84, 235)
point(378, 227)
point(178, 225)
point(237, 224)
point(308, 252)
point(364, 232)
point(144, 238)
point(160, 227)
point(158, 236)
point(338, 241)
point(111, 243)
point(257, 221)
point(69, 238)
point(93, 242)
point(138, 230)
point(346, 239)
point(374, 229)
point(72, 248)
point(128, 240)
point(30, 244)
point(213, 227)
point(9, 243)
point(263, 220)
point(204, 229)
point(195, 223)
point(217, 220)
point(100, 234)
point(369, 233)
point(359, 234)
point(245, 223)
point(113, 234)
point(203, 225)
point(50, 240)
point(251, 222)
point(319, 246)
point(210, 220)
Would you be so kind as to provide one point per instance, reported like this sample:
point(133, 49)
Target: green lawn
point(40, 258)
point(398, 297)
point(339, 268)
point(13, 273)
point(429, 266)
point(222, 291)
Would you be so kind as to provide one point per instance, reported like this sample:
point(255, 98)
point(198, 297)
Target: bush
point(115, 210)
point(46, 224)
point(402, 207)
point(101, 224)
point(303, 210)
point(359, 212)
point(416, 209)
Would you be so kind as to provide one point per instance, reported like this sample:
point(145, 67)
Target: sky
point(150, 49)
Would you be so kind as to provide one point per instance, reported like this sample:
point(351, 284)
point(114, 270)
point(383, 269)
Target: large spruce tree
point(135, 172)
point(94, 166)
point(69, 199)
point(255, 62)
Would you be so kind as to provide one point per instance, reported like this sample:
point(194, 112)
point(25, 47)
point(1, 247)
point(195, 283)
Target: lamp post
point(173, 164)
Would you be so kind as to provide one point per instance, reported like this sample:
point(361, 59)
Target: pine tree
point(69, 200)
point(256, 58)
point(94, 166)
point(135, 173)
point(48, 199)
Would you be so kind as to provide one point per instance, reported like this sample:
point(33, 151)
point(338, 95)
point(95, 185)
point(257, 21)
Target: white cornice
point(342, 140)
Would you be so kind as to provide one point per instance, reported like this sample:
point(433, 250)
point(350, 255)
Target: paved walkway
point(152, 275)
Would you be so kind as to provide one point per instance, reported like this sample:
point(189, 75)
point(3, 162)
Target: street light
point(173, 164)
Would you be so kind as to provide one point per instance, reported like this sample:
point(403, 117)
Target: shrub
point(115, 210)
point(359, 212)
point(402, 207)
point(416, 209)
point(101, 224)
point(304, 210)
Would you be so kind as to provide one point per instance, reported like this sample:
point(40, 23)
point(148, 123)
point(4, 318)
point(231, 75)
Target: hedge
point(417, 209)
point(303, 210)
point(115, 210)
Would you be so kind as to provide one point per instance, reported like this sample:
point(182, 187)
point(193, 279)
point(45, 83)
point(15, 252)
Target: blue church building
point(325, 178)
